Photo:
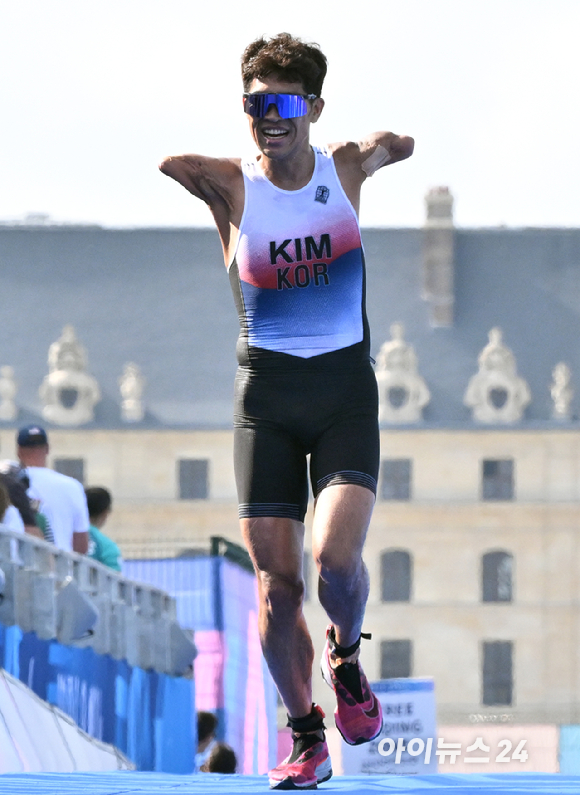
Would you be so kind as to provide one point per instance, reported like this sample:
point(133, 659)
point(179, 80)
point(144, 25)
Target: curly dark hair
point(287, 58)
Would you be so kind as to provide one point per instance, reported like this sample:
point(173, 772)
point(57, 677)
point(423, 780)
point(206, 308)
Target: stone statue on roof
point(402, 391)
point(131, 385)
point(67, 353)
point(496, 394)
point(8, 389)
point(68, 393)
point(561, 392)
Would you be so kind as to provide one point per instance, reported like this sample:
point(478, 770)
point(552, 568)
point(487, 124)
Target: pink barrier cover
point(511, 749)
point(209, 670)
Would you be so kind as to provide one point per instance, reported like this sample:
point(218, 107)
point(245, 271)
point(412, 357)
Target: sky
point(94, 94)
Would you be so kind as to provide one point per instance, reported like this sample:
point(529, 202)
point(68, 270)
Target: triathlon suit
point(305, 384)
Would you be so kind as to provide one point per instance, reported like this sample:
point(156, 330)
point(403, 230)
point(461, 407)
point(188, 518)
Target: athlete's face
point(279, 138)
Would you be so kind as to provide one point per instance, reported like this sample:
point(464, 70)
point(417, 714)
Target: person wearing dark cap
point(62, 499)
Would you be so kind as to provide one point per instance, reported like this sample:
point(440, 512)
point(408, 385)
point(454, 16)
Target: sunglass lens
point(256, 105)
point(289, 106)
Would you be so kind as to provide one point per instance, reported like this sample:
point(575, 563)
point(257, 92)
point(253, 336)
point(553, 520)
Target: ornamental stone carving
point(561, 392)
point(68, 392)
point(131, 384)
point(496, 394)
point(8, 388)
point(402, 392)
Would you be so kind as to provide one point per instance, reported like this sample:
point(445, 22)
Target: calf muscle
point(276, 548)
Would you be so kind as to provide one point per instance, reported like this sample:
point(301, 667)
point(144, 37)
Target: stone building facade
point(473, 550)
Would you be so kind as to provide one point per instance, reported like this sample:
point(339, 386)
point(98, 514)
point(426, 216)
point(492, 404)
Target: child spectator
point(101, 547)
point(222, 759)
point(206, 727)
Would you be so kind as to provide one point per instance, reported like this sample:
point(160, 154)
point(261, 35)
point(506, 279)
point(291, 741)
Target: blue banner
point(146, 715)
point(217, 599)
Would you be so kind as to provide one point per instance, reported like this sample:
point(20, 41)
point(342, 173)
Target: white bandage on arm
point(374, 161)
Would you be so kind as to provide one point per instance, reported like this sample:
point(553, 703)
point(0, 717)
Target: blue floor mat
point(132, 783)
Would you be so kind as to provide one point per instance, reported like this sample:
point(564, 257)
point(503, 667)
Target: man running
point(287, 219)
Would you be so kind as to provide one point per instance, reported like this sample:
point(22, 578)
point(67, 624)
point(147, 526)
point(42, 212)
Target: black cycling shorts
point(282, 415)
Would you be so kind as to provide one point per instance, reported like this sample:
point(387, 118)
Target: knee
point(337, 563)
point(281, 594)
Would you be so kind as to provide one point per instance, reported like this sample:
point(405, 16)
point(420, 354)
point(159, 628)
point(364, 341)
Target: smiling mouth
point(272, 132)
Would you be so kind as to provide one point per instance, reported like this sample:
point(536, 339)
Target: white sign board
point(408, 739)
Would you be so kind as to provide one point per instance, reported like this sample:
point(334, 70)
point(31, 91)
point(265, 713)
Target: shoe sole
point(360, 740)
point(288, 783)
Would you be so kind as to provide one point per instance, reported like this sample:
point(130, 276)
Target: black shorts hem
point(279, 510)
point(347, 477)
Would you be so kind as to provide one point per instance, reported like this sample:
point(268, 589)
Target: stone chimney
point(438, 245)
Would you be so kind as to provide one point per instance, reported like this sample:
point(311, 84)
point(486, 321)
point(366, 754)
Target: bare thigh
point(341, 519)
point(275, 545)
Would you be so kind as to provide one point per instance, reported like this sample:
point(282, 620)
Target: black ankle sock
point(303, 743)
point(346, 651)
point(348, 675)
point(309, 723)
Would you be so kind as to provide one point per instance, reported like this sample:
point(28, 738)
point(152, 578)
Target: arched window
point(496, 577)
point(497, 674)
point(396, 576)
point(497, 479)
point(395, 478)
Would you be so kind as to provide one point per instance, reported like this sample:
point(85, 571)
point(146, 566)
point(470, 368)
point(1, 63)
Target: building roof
point(161, 298)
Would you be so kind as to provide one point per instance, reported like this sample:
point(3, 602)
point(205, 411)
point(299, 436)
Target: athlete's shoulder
point(204, 162)
point(371, 152)
point(342, 149)
point(208, 178)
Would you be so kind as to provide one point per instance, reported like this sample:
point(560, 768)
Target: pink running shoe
point(358, 714)
point(309, 762)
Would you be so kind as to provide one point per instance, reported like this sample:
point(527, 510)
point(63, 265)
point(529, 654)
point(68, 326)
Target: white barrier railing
point(78, 601)
point(37, 737)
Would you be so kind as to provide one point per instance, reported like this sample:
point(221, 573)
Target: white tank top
point(298, 271)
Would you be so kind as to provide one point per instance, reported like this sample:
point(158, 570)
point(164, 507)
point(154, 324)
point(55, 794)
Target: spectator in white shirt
point(62, 499)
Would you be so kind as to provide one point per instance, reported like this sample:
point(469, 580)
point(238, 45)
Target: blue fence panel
point(249, 692)
point(173, 745)
point(218, 600)
point(147, 715)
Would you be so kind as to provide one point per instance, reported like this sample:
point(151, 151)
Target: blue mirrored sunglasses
point(289, 106)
